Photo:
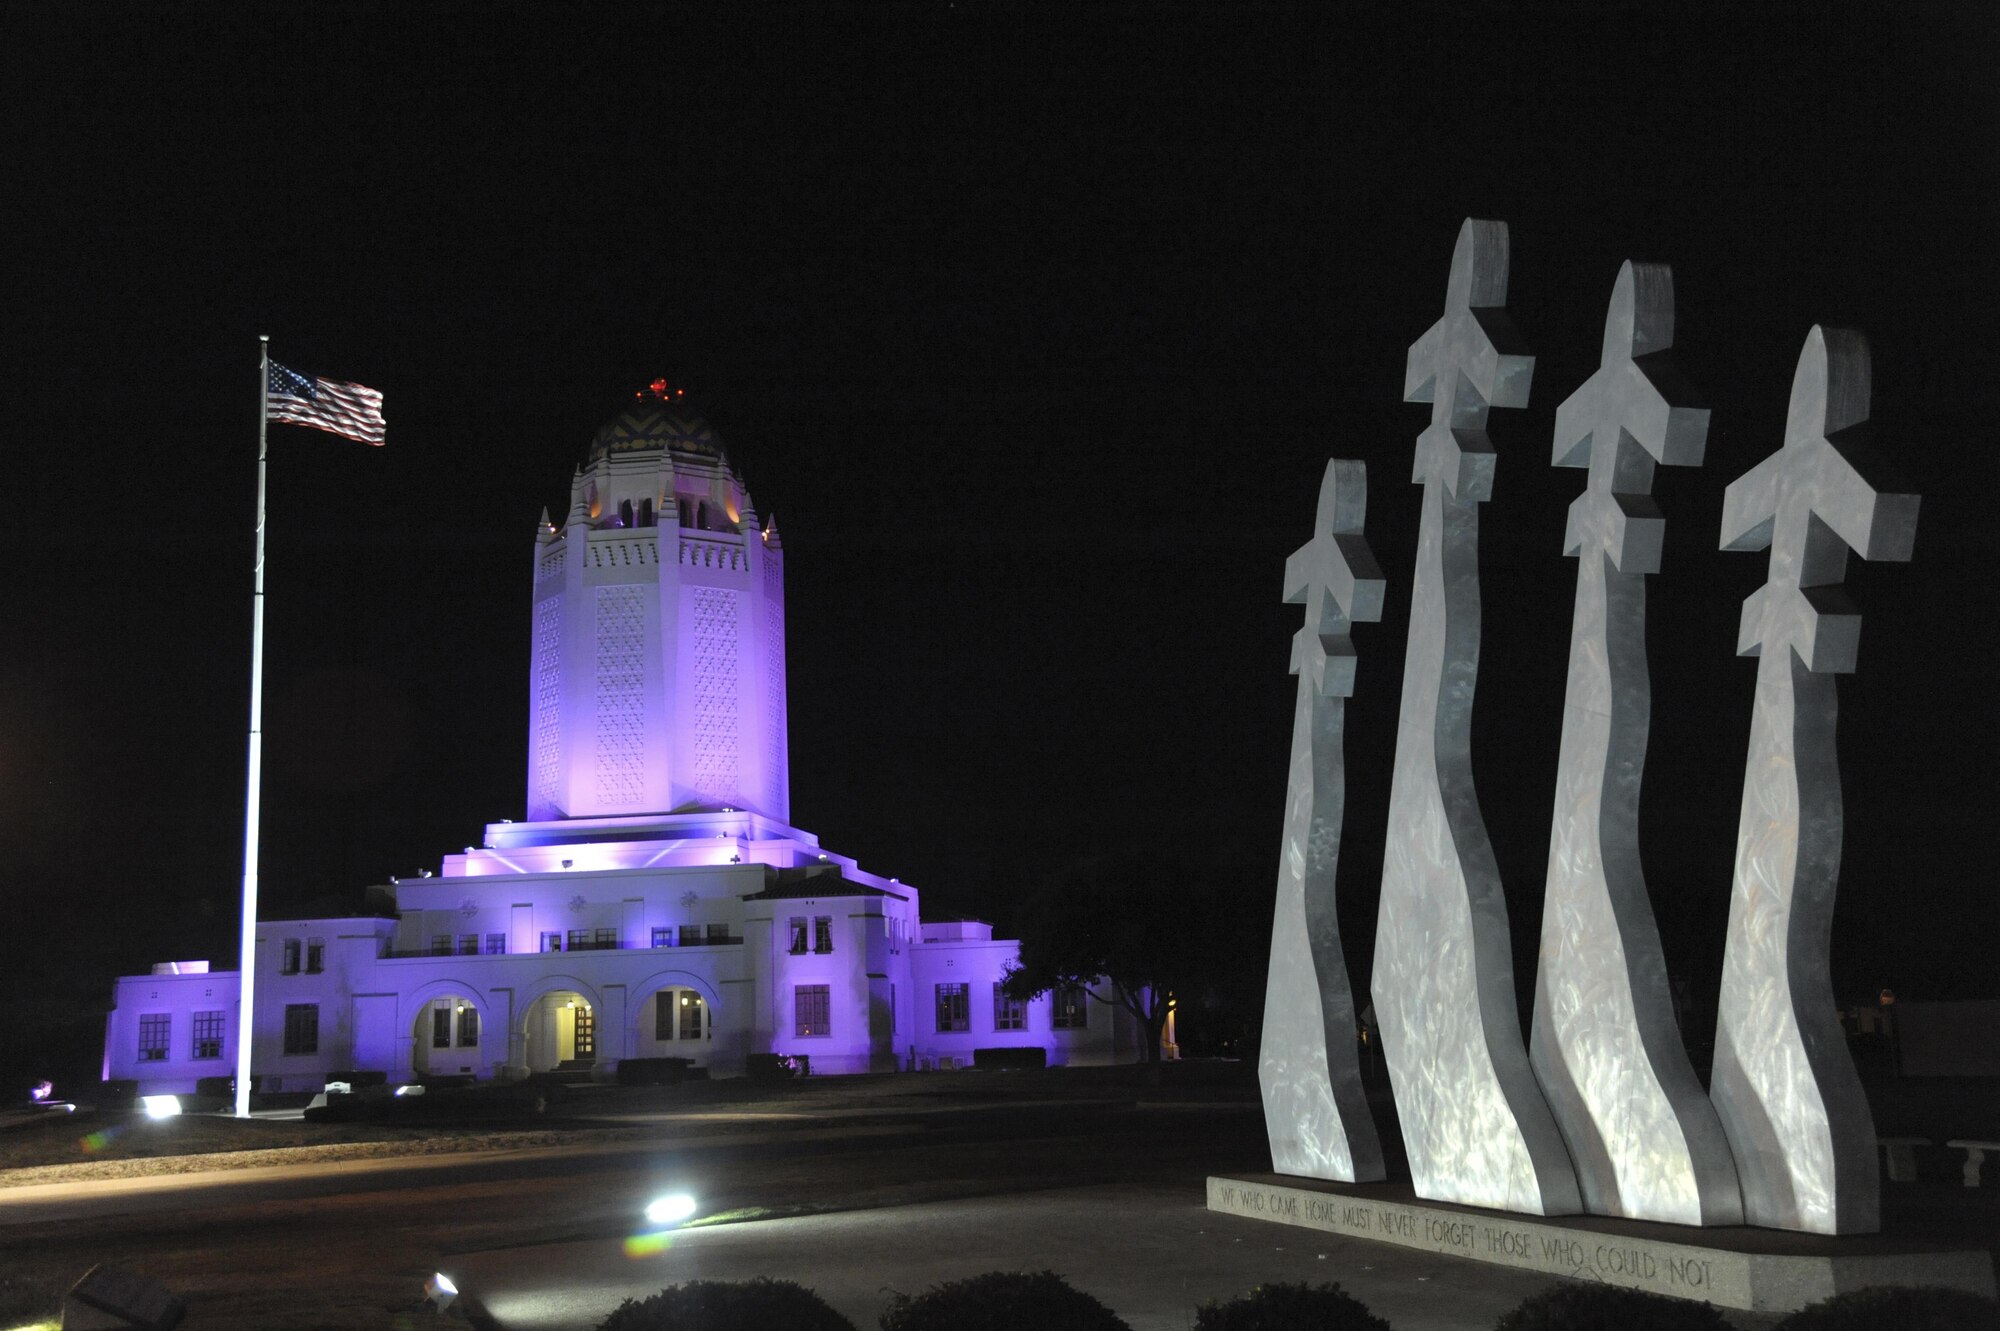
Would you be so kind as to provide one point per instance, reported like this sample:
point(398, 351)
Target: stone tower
point(657, 679)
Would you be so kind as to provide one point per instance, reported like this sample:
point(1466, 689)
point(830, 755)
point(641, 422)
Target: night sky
point(1034, 326)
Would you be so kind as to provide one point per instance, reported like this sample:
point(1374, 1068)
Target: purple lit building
point(657, 901)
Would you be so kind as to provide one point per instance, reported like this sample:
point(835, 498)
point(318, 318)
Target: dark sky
point(1034, 326)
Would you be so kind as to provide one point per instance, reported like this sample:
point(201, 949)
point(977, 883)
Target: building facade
point(656, 902)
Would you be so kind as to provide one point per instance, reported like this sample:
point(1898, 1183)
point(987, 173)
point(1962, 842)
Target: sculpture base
point(1756, 1269)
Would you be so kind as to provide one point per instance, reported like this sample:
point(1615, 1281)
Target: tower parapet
point(657, 678)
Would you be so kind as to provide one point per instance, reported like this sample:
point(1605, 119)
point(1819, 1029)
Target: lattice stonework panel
point(774, 690)
point(621, 699)
point(548, 698)
point(716, 672)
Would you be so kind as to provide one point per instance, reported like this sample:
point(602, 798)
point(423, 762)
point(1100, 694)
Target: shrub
point(1001, 1301)
point(1009, 1057)
point(1285, 1307)
point(653, 1071)
point(1574, 1306)
point(1903, 1307)
point(721, 1305)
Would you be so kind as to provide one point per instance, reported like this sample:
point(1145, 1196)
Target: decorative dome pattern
point(648, 425)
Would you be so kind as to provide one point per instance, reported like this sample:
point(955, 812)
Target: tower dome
point(661, 419)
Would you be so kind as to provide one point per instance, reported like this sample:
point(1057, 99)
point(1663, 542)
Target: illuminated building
point(657, 901)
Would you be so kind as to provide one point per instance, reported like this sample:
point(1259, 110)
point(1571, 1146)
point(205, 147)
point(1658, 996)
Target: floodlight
point(161, 1106)
point(440, 1291)
point(409, 1088)
point(670, 1209)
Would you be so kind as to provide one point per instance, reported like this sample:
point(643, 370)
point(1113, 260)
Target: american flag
point(348, 410)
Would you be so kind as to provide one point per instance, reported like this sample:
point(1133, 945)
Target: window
point(208, 1035)
point(496, 945)
point(302, 1028)
point(685, 1026)
point(551, 940)
point(691, 1007)
point(663, 935)
point(290, 965)
point(1009, 1014)
point(822, 933)
point(441, 1024)
point(606, 938)
point(690, 935)
point(468, 945)
point(468, 1027)
point(315, 955)
point(1071, 1008)
point(579, 939)
point(154, 1032)
point(810, 1005)
point(798, 935)
point(718, 933)
point(440, 945)
point(952, 1014)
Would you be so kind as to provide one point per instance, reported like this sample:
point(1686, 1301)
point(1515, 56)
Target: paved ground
point(1152, 1253)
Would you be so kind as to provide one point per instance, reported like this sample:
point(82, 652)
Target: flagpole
point(247, 981)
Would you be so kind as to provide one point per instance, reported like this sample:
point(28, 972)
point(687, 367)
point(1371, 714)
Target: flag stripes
point(348, 410)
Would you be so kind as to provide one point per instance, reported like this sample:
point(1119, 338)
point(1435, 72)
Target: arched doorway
point(445, 1042)
point(561, 1031)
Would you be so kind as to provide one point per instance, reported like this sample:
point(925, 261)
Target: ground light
point(161, 1106)
point(670, 1209)
point(662, 1213)
point(440, 1291)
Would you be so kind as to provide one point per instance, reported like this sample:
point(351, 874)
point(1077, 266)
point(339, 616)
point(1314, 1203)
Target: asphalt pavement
point(1150, 1252)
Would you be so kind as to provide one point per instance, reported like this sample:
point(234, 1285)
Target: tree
point(1128, 921)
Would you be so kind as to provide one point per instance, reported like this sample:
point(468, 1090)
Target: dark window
point(663, 1015)
point(302, 1028)
point(798, 935)
point(718, 933)
point(551, 941)
point(952, 1013)
point(822, 933)
point(496, 945)
point(690, 935)
point(440, 945)
point(290, 965)
point(441, 1026)
point(315, 955)
point(1072, 1011)
point(607, 938)
point(208, 1035)
point(155, 1030)
point(1009, 1014)
point(468, 945)
point(579, 939)
point(663, 935)
point(468, 1026)
point(624, 512)
point(810, 1007)
point(691, 1006)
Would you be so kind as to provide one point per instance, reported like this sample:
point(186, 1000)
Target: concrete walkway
point(1151, 1253)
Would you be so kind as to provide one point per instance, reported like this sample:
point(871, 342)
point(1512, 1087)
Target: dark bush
point(1286, 1307)
point(1001, 1301)
point(1575, 1306)
point(721, 1305)
point(1900, 1307)
point(653, 1071)
point(1026, 1056)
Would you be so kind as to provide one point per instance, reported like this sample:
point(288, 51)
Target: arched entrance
point(445, 1040)
point(673, 1015)
point(561, 1031)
